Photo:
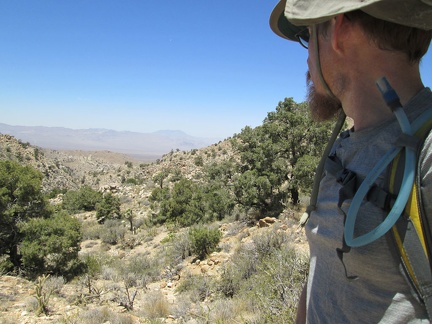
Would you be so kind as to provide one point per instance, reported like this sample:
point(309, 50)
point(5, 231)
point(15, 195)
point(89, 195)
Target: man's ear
point(341, 26)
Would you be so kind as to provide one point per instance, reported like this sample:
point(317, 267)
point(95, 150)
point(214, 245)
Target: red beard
point(322, 106)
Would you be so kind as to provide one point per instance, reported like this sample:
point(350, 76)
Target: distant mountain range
point(148, 145)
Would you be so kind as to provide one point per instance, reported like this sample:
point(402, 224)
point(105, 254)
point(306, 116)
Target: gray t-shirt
point(381, 293)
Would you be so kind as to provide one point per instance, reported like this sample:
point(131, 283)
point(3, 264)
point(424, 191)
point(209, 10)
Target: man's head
point(411, 13)
point(398, 26)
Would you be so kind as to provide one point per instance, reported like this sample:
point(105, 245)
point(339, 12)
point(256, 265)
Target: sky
point(208, 68)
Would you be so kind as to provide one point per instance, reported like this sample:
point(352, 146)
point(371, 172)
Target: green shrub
point(204, 240)
point(185, 206)
point(93, 265)
point(108, 208)
point(199, 161)
point(133, 181)
point(21, 199)
point(159, 194)
point(219, 202)
point(6, 265)
point(160, 177)
point(24, 145)
point(51, 245)
point(55, 192)
point(83, 199)
point(176, 175)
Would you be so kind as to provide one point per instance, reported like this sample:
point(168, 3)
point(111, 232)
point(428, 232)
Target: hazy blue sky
point(208, 68)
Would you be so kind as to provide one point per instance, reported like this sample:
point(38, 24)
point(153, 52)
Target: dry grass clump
point(234, 228)
point(101, 315)
point(55, 284)
point(155, 306)
point(175, 248)
point(197, 287)
point(91, 230)
point(223, 311)
point(31, 304)
point(112, 231)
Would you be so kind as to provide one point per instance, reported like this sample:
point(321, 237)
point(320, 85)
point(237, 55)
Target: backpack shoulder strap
point(411, 232)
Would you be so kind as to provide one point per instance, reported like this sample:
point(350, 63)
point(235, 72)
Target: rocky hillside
point(129, 178)
point(69, 169)
point(144, 276)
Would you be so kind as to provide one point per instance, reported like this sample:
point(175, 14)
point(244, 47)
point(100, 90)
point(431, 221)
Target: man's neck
point(363, 101)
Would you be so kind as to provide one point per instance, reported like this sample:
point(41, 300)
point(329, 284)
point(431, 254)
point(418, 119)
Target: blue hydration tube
point(392, 100)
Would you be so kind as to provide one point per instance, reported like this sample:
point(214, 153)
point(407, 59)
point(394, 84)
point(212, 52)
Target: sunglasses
point(303, 37)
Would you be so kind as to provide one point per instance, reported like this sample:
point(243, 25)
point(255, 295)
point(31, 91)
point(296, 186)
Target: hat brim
point(411, 13)
point(280, 25)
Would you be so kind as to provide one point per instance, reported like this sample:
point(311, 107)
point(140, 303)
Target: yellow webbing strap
point(413, 211)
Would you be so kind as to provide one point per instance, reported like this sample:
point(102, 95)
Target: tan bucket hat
point(288, 15)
